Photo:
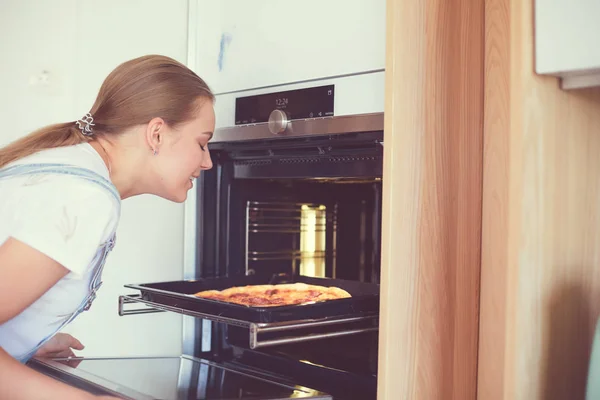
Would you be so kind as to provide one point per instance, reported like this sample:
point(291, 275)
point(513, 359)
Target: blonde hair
point(132, 94)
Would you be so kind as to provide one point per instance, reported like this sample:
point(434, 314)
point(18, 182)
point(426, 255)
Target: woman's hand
point(60, 346)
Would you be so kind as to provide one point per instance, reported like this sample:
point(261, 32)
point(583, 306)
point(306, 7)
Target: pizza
point(275, 295)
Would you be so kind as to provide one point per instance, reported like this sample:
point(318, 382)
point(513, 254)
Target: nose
point(206, 161)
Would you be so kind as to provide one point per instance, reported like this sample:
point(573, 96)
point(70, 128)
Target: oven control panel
point(313, 102)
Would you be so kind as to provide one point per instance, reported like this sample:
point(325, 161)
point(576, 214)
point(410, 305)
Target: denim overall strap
point(61, 169)
point(100, 257)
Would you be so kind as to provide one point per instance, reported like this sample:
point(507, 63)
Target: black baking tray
point(364, 300)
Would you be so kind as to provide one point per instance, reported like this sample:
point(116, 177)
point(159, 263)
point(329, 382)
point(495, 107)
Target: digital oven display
point(314, 102)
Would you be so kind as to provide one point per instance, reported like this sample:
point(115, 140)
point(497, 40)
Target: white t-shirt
point(65, 217)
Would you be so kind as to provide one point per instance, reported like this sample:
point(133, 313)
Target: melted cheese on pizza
point(275, 295)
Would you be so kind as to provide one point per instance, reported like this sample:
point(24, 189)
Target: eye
point(203, 147)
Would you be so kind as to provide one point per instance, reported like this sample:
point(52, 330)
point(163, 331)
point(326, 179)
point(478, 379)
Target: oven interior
point(298, 206)
point(320, 228)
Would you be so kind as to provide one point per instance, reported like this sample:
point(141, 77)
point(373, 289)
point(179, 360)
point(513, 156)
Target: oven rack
point(347, 325)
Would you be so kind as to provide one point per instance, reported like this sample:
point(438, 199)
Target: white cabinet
point(113, 31)
point(246, 44)
point(566, 41)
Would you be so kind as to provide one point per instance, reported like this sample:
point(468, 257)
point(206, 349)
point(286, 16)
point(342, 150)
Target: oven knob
point(278, 122)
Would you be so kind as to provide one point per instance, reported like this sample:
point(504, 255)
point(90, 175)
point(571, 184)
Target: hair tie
point(85, 124)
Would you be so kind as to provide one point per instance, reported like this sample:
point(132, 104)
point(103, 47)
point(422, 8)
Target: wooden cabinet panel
point(431, 200)
point(540, 273)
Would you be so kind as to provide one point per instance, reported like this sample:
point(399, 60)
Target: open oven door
point(181, 377)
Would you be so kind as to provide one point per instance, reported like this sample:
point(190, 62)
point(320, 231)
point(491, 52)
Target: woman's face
point(182, 153)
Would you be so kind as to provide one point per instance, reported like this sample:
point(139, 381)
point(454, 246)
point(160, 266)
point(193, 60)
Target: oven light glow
point(312, 240)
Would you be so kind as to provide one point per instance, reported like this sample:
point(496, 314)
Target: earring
point(155, 152)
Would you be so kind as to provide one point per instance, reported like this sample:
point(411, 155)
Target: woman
point(60, 194)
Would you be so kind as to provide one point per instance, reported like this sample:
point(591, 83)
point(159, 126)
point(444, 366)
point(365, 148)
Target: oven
point(294, 196)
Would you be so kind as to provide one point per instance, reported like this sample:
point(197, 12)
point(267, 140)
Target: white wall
point(78, 42)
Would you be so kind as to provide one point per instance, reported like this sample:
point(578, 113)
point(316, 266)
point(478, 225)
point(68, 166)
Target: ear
point(154, 134)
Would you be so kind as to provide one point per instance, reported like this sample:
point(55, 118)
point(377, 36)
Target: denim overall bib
point(94, 274)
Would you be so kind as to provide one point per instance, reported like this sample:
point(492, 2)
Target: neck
point(121, 165)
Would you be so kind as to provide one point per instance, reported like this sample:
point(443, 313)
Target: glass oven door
point(169, 378)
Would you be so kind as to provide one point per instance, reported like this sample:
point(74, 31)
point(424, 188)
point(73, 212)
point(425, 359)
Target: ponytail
point(49, 137)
